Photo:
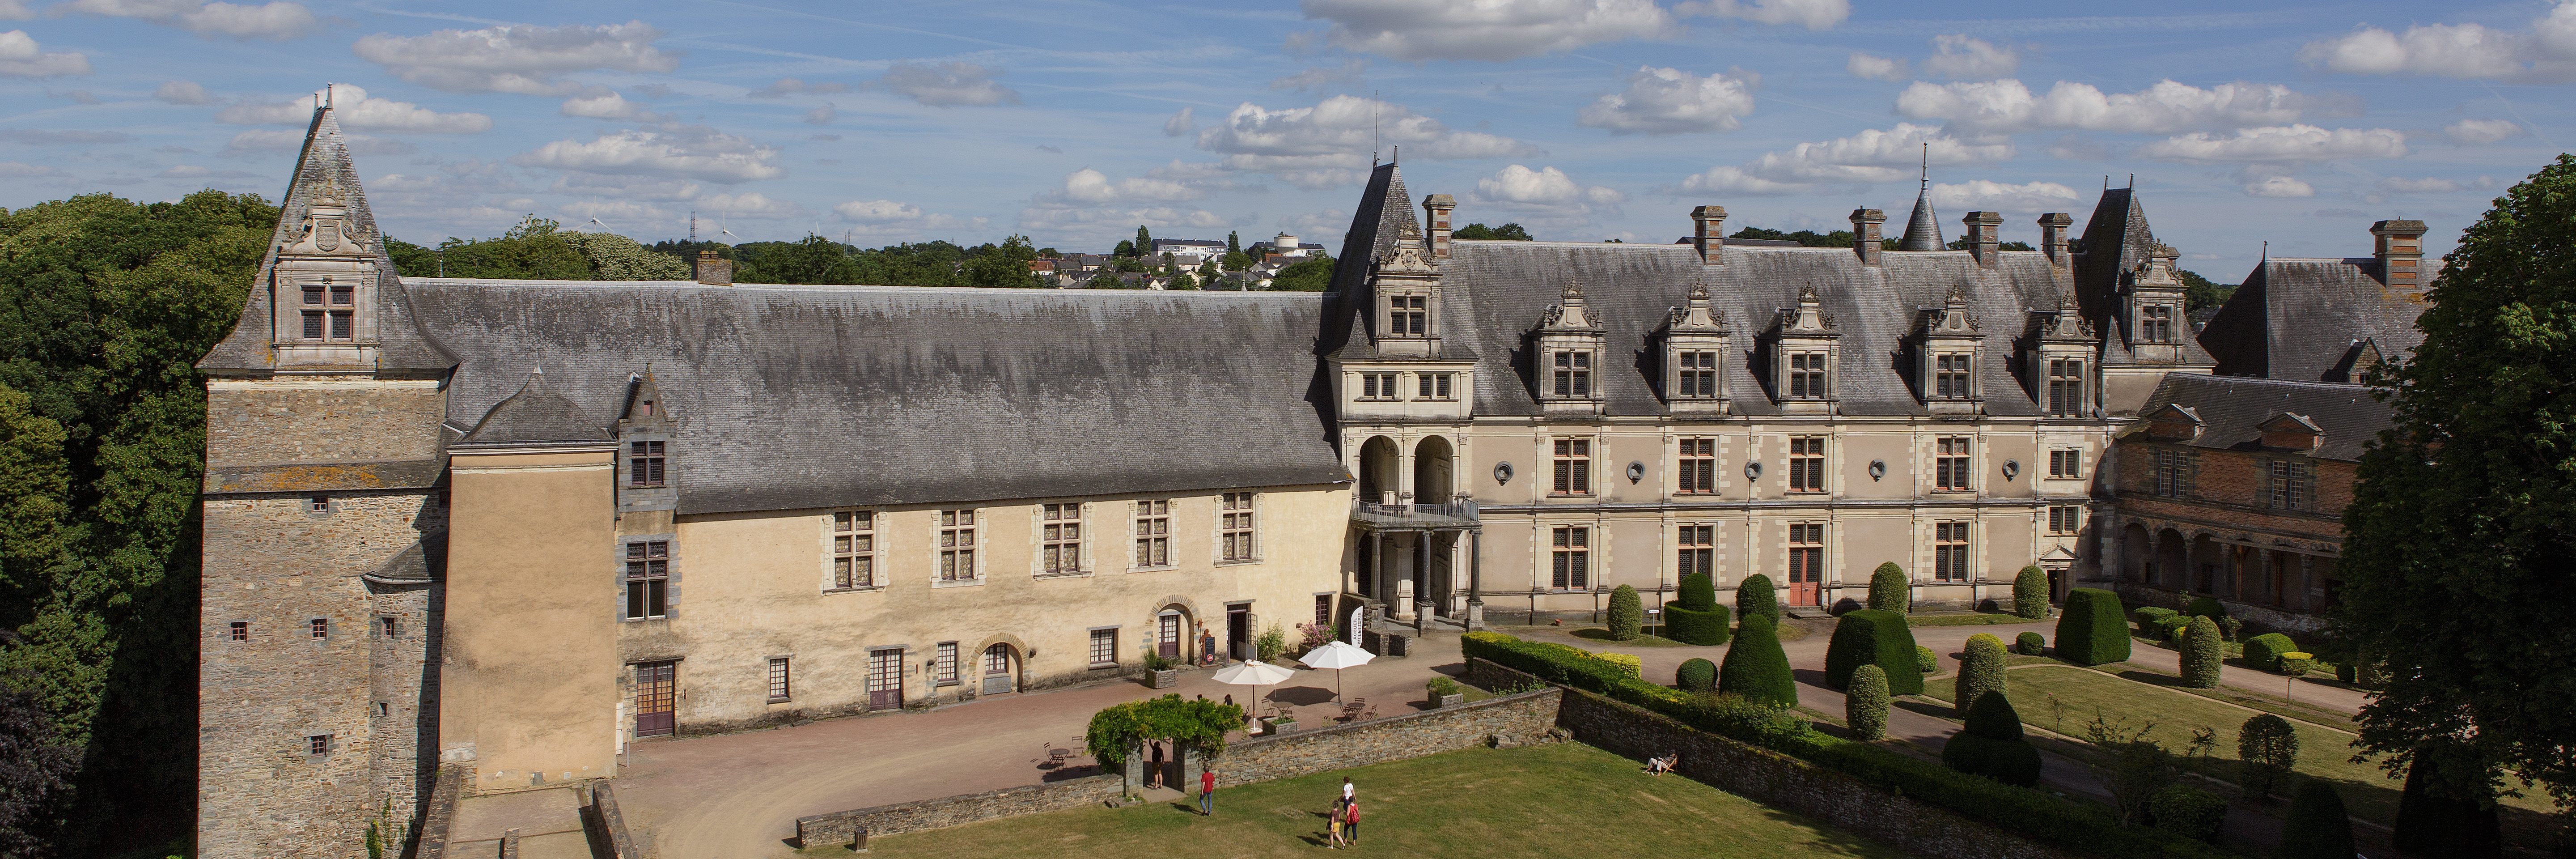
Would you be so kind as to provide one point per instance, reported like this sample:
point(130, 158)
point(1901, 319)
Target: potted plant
point(1161, 673)
point(1445, 692)
point(1278, 724)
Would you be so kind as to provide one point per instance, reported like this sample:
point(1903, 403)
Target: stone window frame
point(1955, 456)
point(1816, 461)
point(1806, 374)
point(1437, 387)
point(780, 677)
point(1040, 540)
point(2065, 519)
point(1253, 513)
point(1695, 374)
point(318, 747)
point(670, 578)
point(1953, 551)
point(237, 631)
point(1408, 306)
point(318, 628)
point(1574, 373)
point(2156, 323)
point(1092, 653)
point(2066, 463)
point(2062, 382)
point(320, 506)
point(1695, 545)
point(2289, 484)
point(1954, 376)
point(1570, 470)
point(1149, 528)
point(1381, 387)
point(1570, 545)
point(386, 628)
point(1696, 456)
point(941, 525)
point(833, 553)
point(2172, 473)
point(943, 662)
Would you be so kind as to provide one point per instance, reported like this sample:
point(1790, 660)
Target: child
point(1334, 825)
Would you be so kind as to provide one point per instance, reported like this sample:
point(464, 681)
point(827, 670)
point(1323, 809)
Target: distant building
point(1189, 252)
point(1284, 245)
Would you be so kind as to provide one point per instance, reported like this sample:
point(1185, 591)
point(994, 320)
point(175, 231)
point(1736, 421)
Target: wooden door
point(1167, 636)
point(1806, 575)
point(885, 679)
point(997, 669)
point(656, 696)
point(1238, 634)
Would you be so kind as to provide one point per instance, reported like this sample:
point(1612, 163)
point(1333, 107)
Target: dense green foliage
point(1866, 703)
point(1981, 670)
point(1314, 274)
point(1807, 238)
point(2207, 607)
point(2318, 827)
point(2269, 749)
point(1696, 618)
point(1696, 591)
point(1890, 589)
point(2264, 651)
point(1200, 724)
point(1925, 660)
point(2030, 593)
point(2199, 292)
point(1961, 244)
point(1992, 744)
point(2202, 654)
point(2092, 630)
point(2030, 644)
point(1506, 232)
point(1873, 637)
point(1755, 596)
point(2189, 812)
point(1756, 667)
point(1696, 675)
point(35, 772)
point(1627, 614)
point(2447, 808)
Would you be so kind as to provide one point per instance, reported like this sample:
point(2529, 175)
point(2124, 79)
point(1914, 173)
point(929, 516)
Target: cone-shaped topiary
point(2269, 749)
point(2318, 827)
point(2431, 824)
point(1756, 667)
point(2030, 644)
point(1755, 596)
point(2201, 654)
point(1697, 592)
point(1627, 615)
point(1696, 618)
point(1992, 745)
point(1890, 590)
point(2030, 593)
point(1865, 704)
point(1981, 670)
point(2093, 630)
point(1696, 675)
point(1873, 637)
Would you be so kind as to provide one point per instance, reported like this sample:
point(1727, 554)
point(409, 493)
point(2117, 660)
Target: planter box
point(1278, 726)
point(1164, 679)
point(1450, 700)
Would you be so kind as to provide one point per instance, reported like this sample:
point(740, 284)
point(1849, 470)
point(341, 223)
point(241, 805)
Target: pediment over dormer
point(2286, 431)
point(2173, 423)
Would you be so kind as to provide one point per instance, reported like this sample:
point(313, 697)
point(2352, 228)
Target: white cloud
point(1959, 57)
point(1672, 101)
point(1181, 123)
point(783, 87)
point(1102, 224)
point(1549, 195)
point(14, 10)
point(276, 20)
point(946, 84)
point(2480, 132)
point(23, 170)
point(523, 59)
point(2546, 54)
point(609, 105)
point(273, 140)
point(2008, 107)
point(895, 218)
point(1982, 195)
point(183, 92)
point(1491, 30)
point(1870, 156)
point(358, 112)
point(1319, 78)
point(823, 115)
point(751, 205)
point(1876, 67)
point(680, 152)
point(21, 57)
point(2279, 186)
point(2403, 185)
point(1811, 14)
point(1733, 180)
point(1091, 187)
point(1327, 145)
point(191, 171)
point(2291, 144)
point(624, 187)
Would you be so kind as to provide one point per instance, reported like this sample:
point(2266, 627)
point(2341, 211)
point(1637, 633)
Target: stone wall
point(842, 828)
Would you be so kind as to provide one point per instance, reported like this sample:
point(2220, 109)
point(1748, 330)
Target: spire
point(1923, 230)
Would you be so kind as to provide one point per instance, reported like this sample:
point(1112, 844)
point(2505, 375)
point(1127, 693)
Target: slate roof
point(536, 415)
point(1923, 228)
point(800, 397)
point(2115, 242)
point(2232, 409)
point(2307, 319)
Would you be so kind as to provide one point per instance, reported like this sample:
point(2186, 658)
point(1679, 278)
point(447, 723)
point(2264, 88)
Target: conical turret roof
point(1923, 230)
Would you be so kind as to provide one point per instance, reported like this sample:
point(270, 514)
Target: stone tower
point(324, 535)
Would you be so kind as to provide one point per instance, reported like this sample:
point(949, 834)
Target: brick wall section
point(2229, 486)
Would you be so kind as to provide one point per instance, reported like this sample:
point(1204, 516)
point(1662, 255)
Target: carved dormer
point(1405, 284)
point(646, 479)
point(324, 286)
point(1806, 358)
point(1568, 349)
point(1695, 350)
point(1948, 364)
point(2154, 308)
point(2060, 361)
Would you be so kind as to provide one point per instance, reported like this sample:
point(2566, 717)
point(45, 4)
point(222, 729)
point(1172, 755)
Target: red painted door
point(1806, 564)
point(885, 679)
point(656, 693)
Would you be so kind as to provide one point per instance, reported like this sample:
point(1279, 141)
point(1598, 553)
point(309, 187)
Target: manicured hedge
point(1981, 670)
point(2030, 644)
point(1696, 675)
point(1756, 596)
point(2189, 812)
point(1890, 589)
point(1866, 703)
point(1627, 614)
point(2264, 651)
point(2201, 654)
point(2152, 617)
point(2030, 593)
point(2318, 827)
point(2093, 630)
point(2207, 607)
point(1756, 667)
point(1696, 618)
point(1871, 636)
point(1992, 745)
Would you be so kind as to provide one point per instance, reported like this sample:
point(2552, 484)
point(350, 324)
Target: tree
point(2455, 575)
point(1806, 238)
point(1626, 614)
point(1696, 618)
point(1236, 261)
point(1126, 248)
point(1756, 667)
point(2201, 654)
point(1755, 596)
point(1006, 266)
point(1233, 243)
point(529, 251)
point(2198, 292)
point(1144, 241)
point(1981, 670)
point(35, 772)
point(813, 259)
point(2448, 806)
point(1505, 233)
point(1866, 703)
point(2269, 749)
point(1314, 274)
point(2030, 593)
point(1890, 589)
point(615, 257)
point(2318, 827)
point(1696, 675)
point(1961, 244)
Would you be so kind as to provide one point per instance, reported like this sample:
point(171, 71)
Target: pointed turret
point(1923, 230)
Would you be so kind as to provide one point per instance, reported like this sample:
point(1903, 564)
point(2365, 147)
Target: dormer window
point(1694, 337)
point(2065, 388)
point(1697, 377)
point(1567, 349)
point(1950, 376)
point(644, 462)
point(1806, 375)
point(1408, 316)
point(1573, 374)
point(2156, 323)
point(1377, 386)
point(1805, 346)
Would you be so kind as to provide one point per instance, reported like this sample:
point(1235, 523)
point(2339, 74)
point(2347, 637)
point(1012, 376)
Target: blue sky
point(1073, 122)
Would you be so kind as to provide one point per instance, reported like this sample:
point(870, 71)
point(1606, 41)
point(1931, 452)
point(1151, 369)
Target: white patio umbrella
point(1254, 673)
point(1336, 655)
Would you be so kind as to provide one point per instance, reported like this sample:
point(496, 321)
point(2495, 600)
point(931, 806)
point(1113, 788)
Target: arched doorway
point(2173, 560)
point(1378, 470)
point(2135, 563)
point(997, 663)
point(2208, 565)
point(1172, 633)
point(1434, 469)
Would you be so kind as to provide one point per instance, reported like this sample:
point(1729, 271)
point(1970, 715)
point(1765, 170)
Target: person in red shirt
point(1351, 821)
point(1207, 791)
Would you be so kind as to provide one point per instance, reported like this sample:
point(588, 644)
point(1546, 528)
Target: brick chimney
point(1436, 208)
point(714, 270)
point(1984, 241)
point(2399, 245)
point(2052, 236)
point(1708, 233)
point(1865, 240)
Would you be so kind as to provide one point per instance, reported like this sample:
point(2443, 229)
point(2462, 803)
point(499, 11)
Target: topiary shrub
point(2269, 749)
point(2171, 629)
point(2093, 629)
point(1696, 618)
point(1981, 670)
point(2207, 607)
point(2201, 654)
point(1696, 675)
point(2264, 651)
point(1874, 637)
point(2431, 824)
point(2030, 644)
point(1992, 745)
point(1890, 589)
point(1755, 596)
point(1925, 660)
point(1627, 663)
point(2151, 617)
point(1627, 614)
point(2318, 827)
point(1756, 667)
point(2030, 593)
point(1865, 704)
point(2189, 812)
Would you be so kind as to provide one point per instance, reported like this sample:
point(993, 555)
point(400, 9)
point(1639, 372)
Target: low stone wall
point(440, 813)
point(612, 835)
point(1512, 718)
point(842, 827)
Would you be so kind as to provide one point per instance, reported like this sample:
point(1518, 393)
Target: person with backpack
point(1351, 821)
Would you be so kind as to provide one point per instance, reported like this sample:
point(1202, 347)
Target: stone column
point(1476, 579)
point(1423, 606)
point(1378, 579)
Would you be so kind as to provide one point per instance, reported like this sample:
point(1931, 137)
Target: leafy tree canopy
point(2198, 292)
point(1507, 232)
point(1315, 274)
point(1006, 265)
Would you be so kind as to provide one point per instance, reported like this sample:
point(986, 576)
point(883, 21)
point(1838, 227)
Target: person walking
point(1348, 793)
point(1207, 792)
point(1351, 821)
point(1333, 824)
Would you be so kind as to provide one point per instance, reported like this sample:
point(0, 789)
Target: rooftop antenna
point(2267, 250)
point(2106, 181)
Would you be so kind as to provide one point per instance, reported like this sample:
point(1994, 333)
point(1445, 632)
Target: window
point(944, 670)
point(385, 628)
point(644, 463)
point(1950, 377)
point(1234, 537)
point(1573, 466)
point(2065, 519)
point(240, 631)
point(1406, 315)
point(2065, 389)
point(2287, 487)
point(1060, 539)
point(1950, 551)
point(1324, 610)
point(1435, 386)
point(854, 549)
point(1573, 374)
point(1807, 375)
point(1806, 553)
point(321, 627)
point(1104, 647)
point(312, 324)
point(1377, 386)
point(319, 504)
point(777, 679)
point(2156, 323)
point(2173, 473)
point(1807, 464)
point(317, 745)
point(1698, 551)
point(2066, 464)
point(648, 579)
point(1153, 533)
point(1698, 472)
point(313, 296)
point(1573, 560)
point(1950, 464)
point(956, 545)
point(1696, 378)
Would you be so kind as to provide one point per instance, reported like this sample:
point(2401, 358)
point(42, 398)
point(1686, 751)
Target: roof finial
point(1927, 166)
point(2133, 181)
point(2267, 250)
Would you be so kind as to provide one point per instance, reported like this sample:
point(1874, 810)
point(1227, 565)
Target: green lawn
point(1564, 799)
point(1977, 619)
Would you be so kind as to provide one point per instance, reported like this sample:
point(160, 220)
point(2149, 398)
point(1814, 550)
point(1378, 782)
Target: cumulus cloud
point(1092, 187)
point(1491, 30)
point(183, 92)
point(784, 87)
point(584, 184)
point(1672, 101)
point(896, 218)
point(276, 20)
point(190, 171)
point(750, 205)
point(519, 58)
point(2289, 144)
point(1181, 123)
point(2403, 185)
point(2279, 186)
point(672, 151)
point(1982, 195)
point(609, 105)
point(262, 141)
point(1090, 204)
point(1319, 78)
point(23, 170)
point(2544, 54)
point(2480, 132)
point(1871, 156)
point(1546, 195)
point(946, 84)
point(1876, 67)
point(1327, 145)
point(358, 111)
point(1959, 57)
point(2007, 106)
point(21, 57)
point(1811, 14)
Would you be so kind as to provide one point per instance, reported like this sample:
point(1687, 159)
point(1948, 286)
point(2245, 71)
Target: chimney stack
point(2399, 245)
point(1984, 241)
point(1708, 233)
point(1437, 207)
point(714, 270)
point(2052, 236)
point(1865, 240)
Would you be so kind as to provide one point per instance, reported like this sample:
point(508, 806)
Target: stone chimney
point(714, 270)
point(1708, 233)
point(2052, 236)
point(1865, 240)
point(1983, 240)
point(1436, 208)
point(2399, 245)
